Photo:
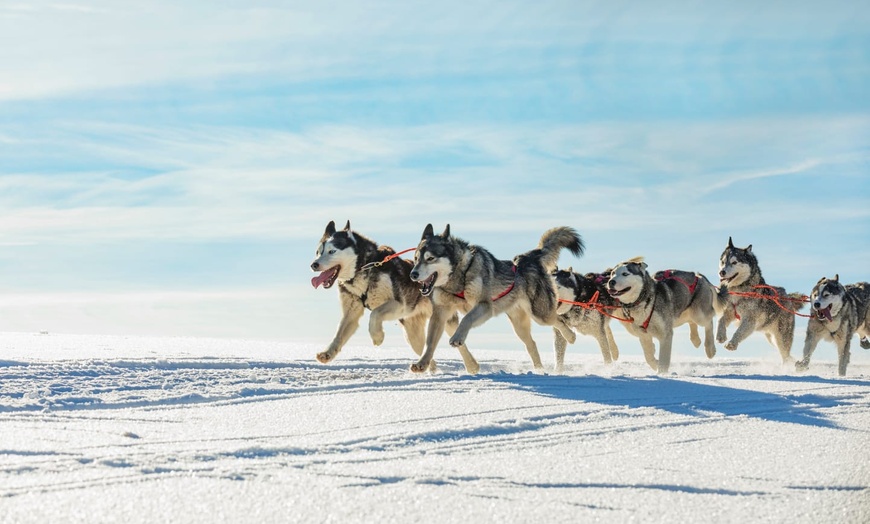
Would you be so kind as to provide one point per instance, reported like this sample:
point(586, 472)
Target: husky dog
point(468, 278)
point(838, 312)
point(739, 273)
point(574, 287)
point(653, 307)
point(385, 289)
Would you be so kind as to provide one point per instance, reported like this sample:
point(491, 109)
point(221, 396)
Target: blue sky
point(168, 169)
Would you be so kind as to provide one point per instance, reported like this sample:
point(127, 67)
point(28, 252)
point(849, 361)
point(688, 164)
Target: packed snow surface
point(114, 429)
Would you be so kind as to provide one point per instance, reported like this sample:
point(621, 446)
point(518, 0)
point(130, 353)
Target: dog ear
point(837, 277)
point(428, 232)
point(446, 232)
point(330, 229)
point(730, 243)
point(347, 226)
point(749, 248)
point(570, 269)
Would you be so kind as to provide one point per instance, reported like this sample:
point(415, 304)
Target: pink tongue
point(827, 313)
point(321, 278)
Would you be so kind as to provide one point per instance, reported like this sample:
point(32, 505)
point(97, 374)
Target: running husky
point(468, 278)
point(384, 288)
point(838, 312)
point(653, 307)
point(739, 273)
point(574, 287)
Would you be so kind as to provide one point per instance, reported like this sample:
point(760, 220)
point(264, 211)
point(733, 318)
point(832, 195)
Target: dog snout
point(721, 272)
point(315, 266)
point(415, 275)
point(817, 305)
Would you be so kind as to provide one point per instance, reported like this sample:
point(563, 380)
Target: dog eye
point(331, 251)
point(625, 273)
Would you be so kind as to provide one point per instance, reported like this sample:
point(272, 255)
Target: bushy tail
point(556, 239)
point(720, 299)
point(797, 303)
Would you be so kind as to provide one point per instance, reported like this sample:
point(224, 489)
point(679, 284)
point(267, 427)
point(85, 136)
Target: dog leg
point(523, 328)
point(810, 343)
point(614, 350)
point(479, 314)
point(665, 345)
point(649, 351)
point(709, 345)
point(559, 346)
point(353, 311)
point(433, 334)
point(565, 330)
point(693, 335)
point(746, 327)
point(389, 310)
point(603, 343)
point(724, 321)
point(783, 337)
point(471, 365)
point(843, 354)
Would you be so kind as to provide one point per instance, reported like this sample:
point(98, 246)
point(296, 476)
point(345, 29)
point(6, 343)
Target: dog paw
point(711, 352)
point(696, 340)
point(377, 337)
point(731, 346)
point(571, 338)
point(721, 338)
point(325, 357)
point(419, 367)
point(865, 343)
point(456, 341)
point(801, 365)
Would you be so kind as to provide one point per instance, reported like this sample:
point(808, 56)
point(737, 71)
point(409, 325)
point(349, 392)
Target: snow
point(124, 429)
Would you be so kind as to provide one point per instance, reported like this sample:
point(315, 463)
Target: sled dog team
point(449, 276)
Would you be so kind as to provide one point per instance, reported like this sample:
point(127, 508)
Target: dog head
point(433, 260)
point(336, 256)
point(735, 264)
point(627, 280)
point(827, 298)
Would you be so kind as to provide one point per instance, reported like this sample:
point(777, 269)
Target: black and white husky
point(838, 312)
point(654, 306)
point(578, 288)
point(739, 274)
point(385, 289)
point(468, 278)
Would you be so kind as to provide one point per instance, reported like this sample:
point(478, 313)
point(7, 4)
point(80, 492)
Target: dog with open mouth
point(654, 306)
point(463, 277)
point(838, 312)
point(371, 277)
point(740, 274)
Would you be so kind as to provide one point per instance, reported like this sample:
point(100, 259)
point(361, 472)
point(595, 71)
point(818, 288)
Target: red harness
point(461, 294)
point(669, 274)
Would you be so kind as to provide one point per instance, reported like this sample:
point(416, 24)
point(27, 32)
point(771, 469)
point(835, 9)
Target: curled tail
point(554, 240)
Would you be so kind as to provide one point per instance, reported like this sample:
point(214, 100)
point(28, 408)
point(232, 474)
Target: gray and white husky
point(654, 306)
point(838, 312)
point(385, 289)
point(575, 287)
point(739, 272)
point(468, 278)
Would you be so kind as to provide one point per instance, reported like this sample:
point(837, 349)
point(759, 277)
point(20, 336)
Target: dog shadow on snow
point(683, 397)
